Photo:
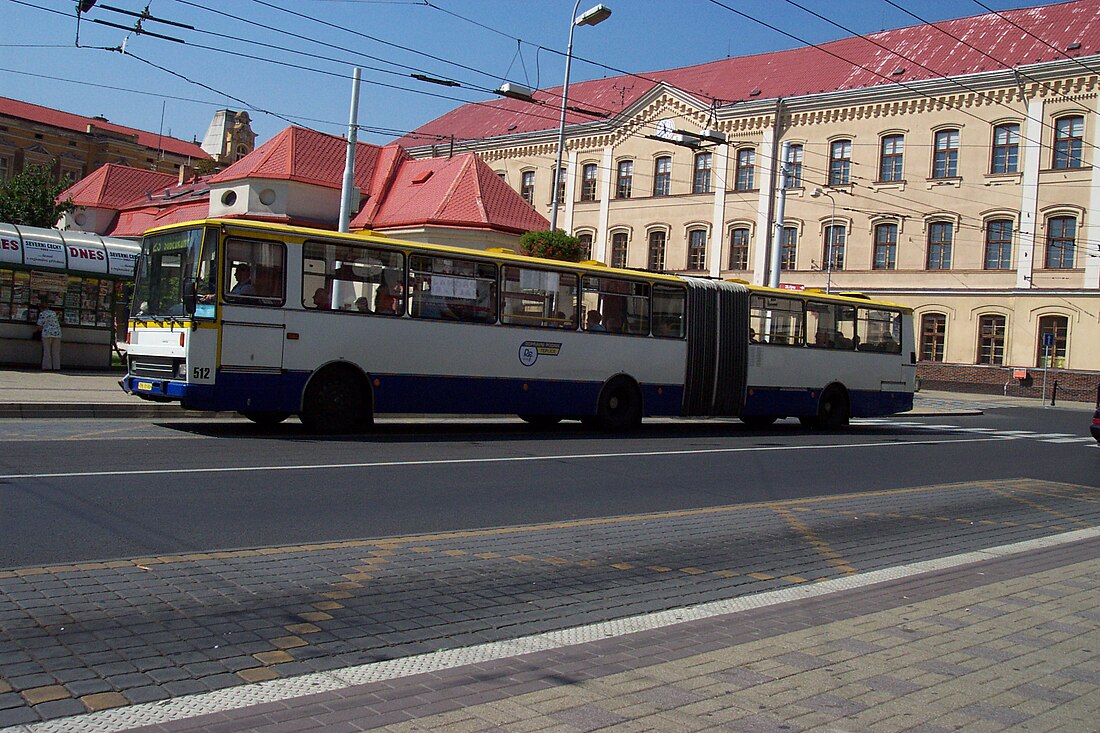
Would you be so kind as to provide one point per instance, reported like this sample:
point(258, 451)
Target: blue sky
point(175, 87)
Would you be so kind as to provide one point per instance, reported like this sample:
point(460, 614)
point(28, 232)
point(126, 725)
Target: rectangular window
point(775, 320)
point(739, 249)
point(527, 187)
point(1055, 330)
point(933, 336)
point(539, 298)
point(1069, 137)
point(1006, 149)
point(561, 176)
point(945, 159)
point(840, 162)
point(589, 182)
point(835, 239)
point(831, 326)
point(746, 167)
point(662, 176)
point(940, 238)
point(991, 340)
point(998, 245)
point(788, 259)
point(618, 249)
point(700, 182)
point(794, 166)
point(624, 181)
point(656, 259)
point(886, 247)
point(353, 278)
point(669, 305)
point(253, 272)
point(445, 288)
point(697, 249)
point(878, 330)
point(622, 306)
point(1061, 242)
point(891, 156)
point(5, 167)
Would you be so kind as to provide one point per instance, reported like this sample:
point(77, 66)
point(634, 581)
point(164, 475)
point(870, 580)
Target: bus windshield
point(170, 265)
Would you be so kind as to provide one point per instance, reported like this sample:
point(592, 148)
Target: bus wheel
point(758, 421)
point(334, 403)
point(620, 406)
point(541, 421)
point(833, 410)
point(266, 419)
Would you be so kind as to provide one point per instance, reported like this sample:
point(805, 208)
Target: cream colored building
point(962, 180)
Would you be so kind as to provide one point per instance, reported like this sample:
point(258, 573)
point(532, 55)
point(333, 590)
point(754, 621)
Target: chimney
point(185, 173)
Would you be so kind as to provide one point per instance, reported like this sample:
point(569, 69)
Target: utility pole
point(776, 256)
point(348, 190)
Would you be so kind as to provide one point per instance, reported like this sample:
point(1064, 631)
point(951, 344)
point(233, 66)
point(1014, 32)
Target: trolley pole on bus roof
point(348, 192)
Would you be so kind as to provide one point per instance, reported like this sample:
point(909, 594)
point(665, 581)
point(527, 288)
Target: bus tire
point(335, 402)
point(620, 406)
point(266, 419)
point(758, 421)
point(833, 409)
point(541, 421)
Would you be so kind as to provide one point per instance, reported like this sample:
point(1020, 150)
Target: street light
point(829, 239)
point(592, 16)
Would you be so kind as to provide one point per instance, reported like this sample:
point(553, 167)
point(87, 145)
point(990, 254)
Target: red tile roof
point(134, 222)
point(111, 186)
point(306, 156)
point(810, 70)
point(459, 192)
point(77, 123)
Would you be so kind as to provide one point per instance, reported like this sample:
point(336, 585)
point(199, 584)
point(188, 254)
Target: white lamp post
point(829, 239)
point(592, 16)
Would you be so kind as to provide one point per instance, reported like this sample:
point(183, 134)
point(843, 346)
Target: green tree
point(30, 198)
point(551, 245)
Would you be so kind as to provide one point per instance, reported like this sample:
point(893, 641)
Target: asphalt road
point(144, 561)
point(76, 490)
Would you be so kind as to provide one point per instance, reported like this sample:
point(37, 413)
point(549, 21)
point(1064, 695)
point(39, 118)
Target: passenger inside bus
point(594, 321)
point(243, 276)
point(321, 299)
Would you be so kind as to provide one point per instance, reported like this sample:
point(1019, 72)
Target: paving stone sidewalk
point(1011, 644)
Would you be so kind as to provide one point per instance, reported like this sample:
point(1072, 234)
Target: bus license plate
point(145, 386)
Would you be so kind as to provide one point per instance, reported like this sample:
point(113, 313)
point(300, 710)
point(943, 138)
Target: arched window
point(1053, 341)
point(998, 244)
point(662, 176)
point(794, 166)
point(1069, 138)
point(700, 182)
point(945, 154)
point(840, 162)
point(991, 339)
point(589, 181)
point(941, 237)
point(739, 249)
point(1006, 149)
point(697, 249)
point(836, 237)
point(619, 242)
point(788, 259)
point(1061, 242)
point(886, 247)
point(527, 187)
point(891, 155)
point(585, 239)
point(746, 168)
point(933, 336)
point(624, 180)
point(658, 239)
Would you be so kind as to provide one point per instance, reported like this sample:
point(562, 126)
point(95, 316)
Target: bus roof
point(593, 267)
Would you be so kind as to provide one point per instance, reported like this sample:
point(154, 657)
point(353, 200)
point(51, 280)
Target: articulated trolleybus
point(272, 321)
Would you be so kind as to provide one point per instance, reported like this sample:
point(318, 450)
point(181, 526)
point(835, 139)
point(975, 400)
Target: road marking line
point(282, 690)
point(471, 461)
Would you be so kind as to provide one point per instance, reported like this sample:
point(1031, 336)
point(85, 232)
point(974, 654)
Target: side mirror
point(190, 297)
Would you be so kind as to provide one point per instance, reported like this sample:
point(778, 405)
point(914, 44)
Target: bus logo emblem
point(529, 351)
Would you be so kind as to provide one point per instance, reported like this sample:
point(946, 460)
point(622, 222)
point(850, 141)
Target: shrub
point(551, 245)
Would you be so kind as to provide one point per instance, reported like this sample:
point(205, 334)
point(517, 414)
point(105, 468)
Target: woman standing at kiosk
point(50, 327)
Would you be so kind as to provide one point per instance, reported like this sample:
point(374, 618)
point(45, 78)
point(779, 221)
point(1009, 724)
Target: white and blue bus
point(271, 321)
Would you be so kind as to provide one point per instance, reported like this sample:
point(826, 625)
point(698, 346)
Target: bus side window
point(668, 307)
point(445, 288)
point(776, 320)
point(541, 298)
point(254, 272)
point(623, 304)
point(878, 330)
